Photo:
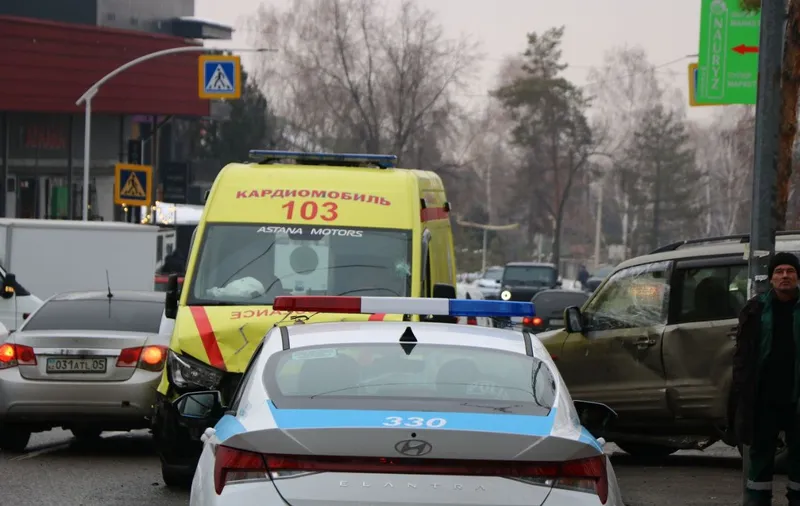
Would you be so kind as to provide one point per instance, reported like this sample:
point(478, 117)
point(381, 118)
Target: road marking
point(42, 451)
point(61, 446)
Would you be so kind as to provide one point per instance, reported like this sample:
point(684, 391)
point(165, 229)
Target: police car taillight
point(232, 465)
point(586, 475)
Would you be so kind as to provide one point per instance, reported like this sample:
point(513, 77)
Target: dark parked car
point(598, 277)
point(550, 306)
point(522, 280)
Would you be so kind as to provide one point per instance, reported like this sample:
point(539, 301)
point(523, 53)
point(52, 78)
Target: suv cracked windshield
point(252, 264)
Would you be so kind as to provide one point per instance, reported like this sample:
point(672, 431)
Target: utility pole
point(598, 225)
point(486, 228)
point(656, 208)
point(763, 223)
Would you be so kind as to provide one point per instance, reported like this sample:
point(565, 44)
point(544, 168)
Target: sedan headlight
point(506, 295)
point(188, 372)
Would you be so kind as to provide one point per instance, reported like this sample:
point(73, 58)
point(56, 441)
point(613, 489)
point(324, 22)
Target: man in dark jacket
point(766, 380)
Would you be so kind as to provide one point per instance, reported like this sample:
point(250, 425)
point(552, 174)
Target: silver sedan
point(84, 361)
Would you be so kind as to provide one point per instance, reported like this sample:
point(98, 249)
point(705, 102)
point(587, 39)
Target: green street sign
point(728, 55)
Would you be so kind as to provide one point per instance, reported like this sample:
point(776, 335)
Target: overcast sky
point(667, 30)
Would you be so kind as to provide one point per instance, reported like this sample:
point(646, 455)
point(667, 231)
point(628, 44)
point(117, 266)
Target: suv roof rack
point(331, 159)
point(741, 238)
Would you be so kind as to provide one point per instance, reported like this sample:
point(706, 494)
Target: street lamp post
point(89, 94)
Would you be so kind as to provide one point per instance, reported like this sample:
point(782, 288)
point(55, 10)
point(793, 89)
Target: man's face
point(784, 278)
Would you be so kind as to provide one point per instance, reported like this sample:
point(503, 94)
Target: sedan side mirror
point(9, 287)
point(573, 319)
point(594, 416)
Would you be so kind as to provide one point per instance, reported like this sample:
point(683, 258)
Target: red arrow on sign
point(742, 49)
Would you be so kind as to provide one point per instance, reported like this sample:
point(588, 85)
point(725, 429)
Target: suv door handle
point(645, 342)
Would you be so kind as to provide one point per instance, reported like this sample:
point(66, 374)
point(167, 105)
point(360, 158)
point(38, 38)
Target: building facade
point(54, 54)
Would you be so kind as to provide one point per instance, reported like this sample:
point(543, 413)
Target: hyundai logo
point(413, 447)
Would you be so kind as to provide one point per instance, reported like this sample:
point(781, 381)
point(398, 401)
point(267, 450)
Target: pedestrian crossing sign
point(219, 76)
point(133, 184)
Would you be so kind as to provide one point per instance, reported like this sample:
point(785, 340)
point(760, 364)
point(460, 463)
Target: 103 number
point(310, 210)
point(414, 421)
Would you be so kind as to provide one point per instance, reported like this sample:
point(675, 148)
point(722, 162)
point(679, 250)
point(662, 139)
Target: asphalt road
point(122, 470)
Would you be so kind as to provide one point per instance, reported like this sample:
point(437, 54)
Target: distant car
point(411, 413)
point(597, 278)
point(522, 280)
point(83, 361)
point(489, 282)
point(550, 306)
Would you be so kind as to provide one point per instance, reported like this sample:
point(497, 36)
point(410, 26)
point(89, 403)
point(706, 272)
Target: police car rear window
point(427, 376)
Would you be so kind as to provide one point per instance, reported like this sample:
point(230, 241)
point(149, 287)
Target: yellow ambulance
point(293, 224)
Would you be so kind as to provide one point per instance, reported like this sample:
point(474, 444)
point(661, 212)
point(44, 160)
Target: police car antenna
point(108, 285)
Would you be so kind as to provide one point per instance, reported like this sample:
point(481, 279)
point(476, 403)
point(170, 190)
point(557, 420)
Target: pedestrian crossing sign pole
point(219, 76)
point(133, 184)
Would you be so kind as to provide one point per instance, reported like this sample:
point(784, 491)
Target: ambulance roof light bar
point(403, 305)
point(334, 159)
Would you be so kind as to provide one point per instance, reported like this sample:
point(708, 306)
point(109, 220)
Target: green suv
point(655, 342)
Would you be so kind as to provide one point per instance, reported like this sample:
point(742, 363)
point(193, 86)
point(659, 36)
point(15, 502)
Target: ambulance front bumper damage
point(178, 445)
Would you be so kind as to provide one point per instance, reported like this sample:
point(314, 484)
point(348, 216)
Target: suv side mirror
point(9, 286)
point(200, 408)
point(443, 291)
point(594, 416)
point(573, 320)
point(171, 298)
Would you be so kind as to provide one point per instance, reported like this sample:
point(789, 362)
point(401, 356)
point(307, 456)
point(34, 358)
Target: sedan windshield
point(529, 275)
point(246, 264)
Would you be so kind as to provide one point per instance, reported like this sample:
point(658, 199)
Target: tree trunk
point(789, 90)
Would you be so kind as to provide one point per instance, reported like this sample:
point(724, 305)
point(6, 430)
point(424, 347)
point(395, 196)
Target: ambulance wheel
point(13, 439)
point(646, 450)
point(176, 477)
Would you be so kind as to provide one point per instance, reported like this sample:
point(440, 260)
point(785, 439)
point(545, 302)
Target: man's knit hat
point(783, 258)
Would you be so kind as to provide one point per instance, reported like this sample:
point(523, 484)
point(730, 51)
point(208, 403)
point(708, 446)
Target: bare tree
point(622, 89)
point(725, 155)
point(352, 75)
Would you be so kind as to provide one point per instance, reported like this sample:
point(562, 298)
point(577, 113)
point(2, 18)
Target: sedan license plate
point(556, 322)
point(76, 365)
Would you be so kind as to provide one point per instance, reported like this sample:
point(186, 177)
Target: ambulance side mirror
point(444, 291)
point(171, 299)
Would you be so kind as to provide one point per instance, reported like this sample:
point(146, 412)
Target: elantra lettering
point(436, 486)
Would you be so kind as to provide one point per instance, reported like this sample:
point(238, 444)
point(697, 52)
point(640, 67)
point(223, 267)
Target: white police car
point(399, 413)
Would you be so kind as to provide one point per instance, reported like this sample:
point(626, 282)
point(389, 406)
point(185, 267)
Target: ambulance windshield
point(245, 264)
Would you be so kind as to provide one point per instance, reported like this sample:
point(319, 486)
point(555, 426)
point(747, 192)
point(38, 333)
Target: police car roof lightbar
point(403, 305)
point(382, 161)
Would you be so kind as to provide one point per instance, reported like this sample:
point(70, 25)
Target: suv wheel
point(646, 450)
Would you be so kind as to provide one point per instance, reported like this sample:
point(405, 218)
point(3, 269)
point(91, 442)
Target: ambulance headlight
point(187, 372)
point(505, 295)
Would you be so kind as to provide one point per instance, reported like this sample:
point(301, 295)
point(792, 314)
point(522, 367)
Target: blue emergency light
point(382, 161)
point(403, 305)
